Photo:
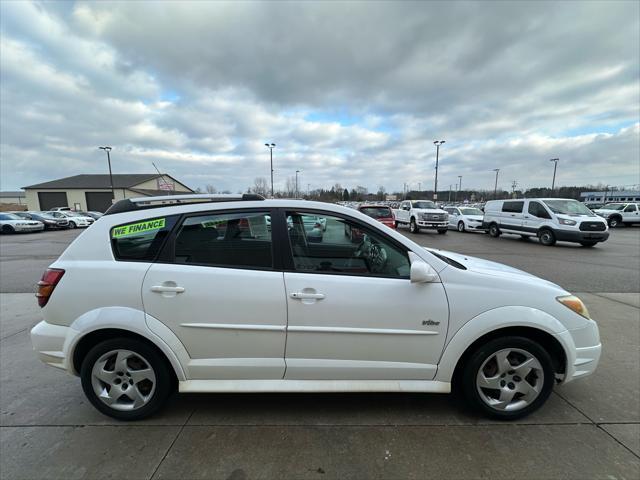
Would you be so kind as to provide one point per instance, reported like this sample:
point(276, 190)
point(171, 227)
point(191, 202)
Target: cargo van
point(549, 219)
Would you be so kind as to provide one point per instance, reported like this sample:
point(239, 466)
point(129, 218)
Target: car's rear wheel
point(508, 377)
point(413, 226)
point(494, 231)
point(461, 227)
point(547, 237)
point(7, 229)
point(125, 378)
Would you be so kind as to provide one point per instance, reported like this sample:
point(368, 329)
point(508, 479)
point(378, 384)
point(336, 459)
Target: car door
point(353, 313)
point(512, 217)
point(536, 215)
point(630, 214)
point(216, 287)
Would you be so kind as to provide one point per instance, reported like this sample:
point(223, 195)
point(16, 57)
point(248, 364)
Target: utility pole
point(495, 188)
point(449, 201)
point(308, 189)
point(555, 167)
point(271, 146)
point(297, 172)
point(419, 186)
point(514, 185)
point(460, 186)
point(113, 193)
point(437, 143)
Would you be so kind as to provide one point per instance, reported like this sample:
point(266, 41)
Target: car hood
point(605, 211)
point(428, 210)
point(474, 217)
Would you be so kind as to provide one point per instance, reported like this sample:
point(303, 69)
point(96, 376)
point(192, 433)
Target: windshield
point(471, 211)
point(10, 216)
point(423, 204)
point(568, 207)
point(377, 212)
point(614, 206)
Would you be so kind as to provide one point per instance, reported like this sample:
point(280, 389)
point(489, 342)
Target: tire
point(547, 237)
point(413, 226)
point(515, 396)
point(396, 224)
point(494, 231)
point(6, 229)
point(461, 227)
point(588, 244)
point(615, 221)
point(72, 225)
point(152, 389)
point(442, 231)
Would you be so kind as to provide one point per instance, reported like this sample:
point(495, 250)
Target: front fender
point(132, 320)
point(495, 319)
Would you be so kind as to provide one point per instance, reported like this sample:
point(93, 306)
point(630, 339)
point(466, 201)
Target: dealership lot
point(589, 429)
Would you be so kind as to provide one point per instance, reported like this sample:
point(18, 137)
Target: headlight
point(575, 304)
point(564, 221)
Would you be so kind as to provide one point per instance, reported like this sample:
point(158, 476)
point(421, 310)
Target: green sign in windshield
point(138, 228)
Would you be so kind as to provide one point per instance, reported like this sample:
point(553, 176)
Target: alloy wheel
point(510, 379)
point(461, 226)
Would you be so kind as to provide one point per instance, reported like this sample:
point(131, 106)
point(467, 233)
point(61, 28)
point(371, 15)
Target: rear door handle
point(306, 296)
point(166, 289)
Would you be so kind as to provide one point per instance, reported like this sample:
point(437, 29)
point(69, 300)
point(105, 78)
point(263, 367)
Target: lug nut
point(503, 383)
point(511, 386)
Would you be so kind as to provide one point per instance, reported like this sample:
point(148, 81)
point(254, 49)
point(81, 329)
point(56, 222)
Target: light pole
point(108, 149)
point(555, 166)
point(449, 201)
point(459, 186)
point(419, 186)
point(297, 172)
point(308, 190)
point(495, 188)
point(271, 146)
point(437, 143)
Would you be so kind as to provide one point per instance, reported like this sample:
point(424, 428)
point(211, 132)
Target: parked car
point(465, 218)
point(11, 223)
point(60, 209)
point(549, 219)
point(381, 213)
point(152, 297)
point(74, 219)
point(50, 222)
point(618, 214)
point(419, 214)
point(94, 215)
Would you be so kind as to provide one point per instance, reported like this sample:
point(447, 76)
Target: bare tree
point(210, 188)
point(260, 186)
point(291, 186)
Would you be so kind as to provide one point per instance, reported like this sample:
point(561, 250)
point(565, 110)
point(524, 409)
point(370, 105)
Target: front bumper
point(28, 228)
point(584, 357)
point(433, 224)
point(49, 342)
point(581, 236)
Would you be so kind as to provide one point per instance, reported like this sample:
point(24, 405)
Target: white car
point(465, 218)
point(549, 219)
point(12, 223)
point(203, 296)
point(75, 219)
point(419, 214)
point(618, 214)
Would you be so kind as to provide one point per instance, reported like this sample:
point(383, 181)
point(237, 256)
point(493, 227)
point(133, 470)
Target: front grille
point(433, 216)
point(593, 226)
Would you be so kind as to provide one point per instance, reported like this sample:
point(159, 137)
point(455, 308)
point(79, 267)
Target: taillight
point(47, 283)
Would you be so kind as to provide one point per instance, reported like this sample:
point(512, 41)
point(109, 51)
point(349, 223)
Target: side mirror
point(421, 271)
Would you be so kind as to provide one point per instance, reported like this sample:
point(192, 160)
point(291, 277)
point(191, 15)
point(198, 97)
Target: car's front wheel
point(547, 237)
point(461, 227)
point(615, 221)
point(413, 226)
point(125, 378)
point(508, 377)
point(7, 229)
point(494, 231)
point(72, 225)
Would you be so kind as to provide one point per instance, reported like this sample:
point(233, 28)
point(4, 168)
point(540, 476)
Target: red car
point(382, 213)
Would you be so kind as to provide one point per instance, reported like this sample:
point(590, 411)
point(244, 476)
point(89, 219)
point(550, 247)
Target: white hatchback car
point(75, 219)
point(204, 296)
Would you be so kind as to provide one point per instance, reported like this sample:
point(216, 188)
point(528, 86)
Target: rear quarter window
point(141, 240)
point(512, 207)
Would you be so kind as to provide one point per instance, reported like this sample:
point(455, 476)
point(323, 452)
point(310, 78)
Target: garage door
point(49, 200)
point(98, 201)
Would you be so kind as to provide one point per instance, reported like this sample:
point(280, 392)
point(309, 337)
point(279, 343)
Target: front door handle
point(306, 296)
point(166, 289)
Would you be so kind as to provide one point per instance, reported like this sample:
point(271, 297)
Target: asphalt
point(588, 429)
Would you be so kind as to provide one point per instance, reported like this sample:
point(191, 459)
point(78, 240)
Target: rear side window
point(512, 207)
point(234, 240)
point(141, 240)
point(537, 210)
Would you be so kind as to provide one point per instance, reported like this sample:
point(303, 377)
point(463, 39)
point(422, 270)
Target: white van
point(549, 219)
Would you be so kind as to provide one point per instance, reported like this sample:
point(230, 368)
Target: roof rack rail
point(143, 203)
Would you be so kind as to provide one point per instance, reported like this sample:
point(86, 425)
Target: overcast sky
point(353, 93)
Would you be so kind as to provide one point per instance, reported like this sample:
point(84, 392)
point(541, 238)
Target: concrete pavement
point(588, 429)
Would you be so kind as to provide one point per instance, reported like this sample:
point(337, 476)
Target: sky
point(350, 92)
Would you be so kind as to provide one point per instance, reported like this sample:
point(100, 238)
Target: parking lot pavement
point(588, 429)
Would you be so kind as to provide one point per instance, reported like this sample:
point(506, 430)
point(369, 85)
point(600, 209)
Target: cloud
point(351, 92)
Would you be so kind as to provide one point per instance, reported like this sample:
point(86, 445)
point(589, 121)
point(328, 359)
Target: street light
point(297, 172)
point(495, 189)
point(437, 143)
point(271, 146)
point(460, 185)
point(108, 149)
point(555, 166)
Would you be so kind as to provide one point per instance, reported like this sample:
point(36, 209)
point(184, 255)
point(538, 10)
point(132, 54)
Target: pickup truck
point(420, 214)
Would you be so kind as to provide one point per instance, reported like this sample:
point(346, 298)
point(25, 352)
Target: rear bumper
point(49, 342)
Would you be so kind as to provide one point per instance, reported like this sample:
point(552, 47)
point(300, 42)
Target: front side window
point(568, 207)
point(537, 210)
point(141, 240)
point(630, 208)
point(235, 240)
point(323, 247)
point(471, 211)
point(512, 207)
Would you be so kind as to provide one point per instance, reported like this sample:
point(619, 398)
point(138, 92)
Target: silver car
point(11, 223)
